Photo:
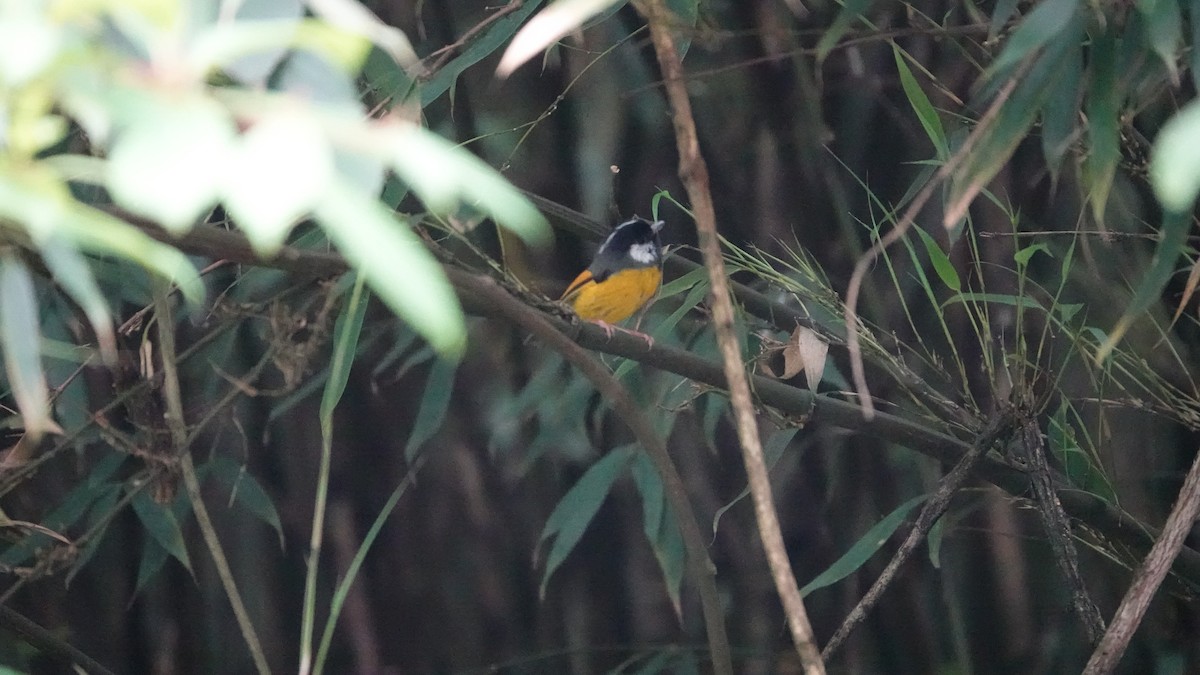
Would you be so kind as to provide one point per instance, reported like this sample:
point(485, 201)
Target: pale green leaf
point(168, 163)
point(29, 42)
point(250, 47)
point(21, 341)
point(444, 176)
point(354, 17)
point(278, 172)
point(395, 264)
point(550, 25)
point(1174, 162)
point(71, 271)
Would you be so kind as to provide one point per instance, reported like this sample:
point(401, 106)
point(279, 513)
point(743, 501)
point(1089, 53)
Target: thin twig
point(864, 263)
point(175, 422)
point(694, 173)
point(1149, 577)
point(700, 566)
point(933, 509)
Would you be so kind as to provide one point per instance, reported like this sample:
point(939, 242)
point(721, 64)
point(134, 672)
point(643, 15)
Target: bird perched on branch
point(624, 275)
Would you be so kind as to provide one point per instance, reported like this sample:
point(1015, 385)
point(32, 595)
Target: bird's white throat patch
point(644, 253)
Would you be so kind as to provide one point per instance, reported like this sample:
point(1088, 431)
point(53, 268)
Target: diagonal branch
point(694, 173)
point(932, 510)
point(699, 565)
point(1149, 576)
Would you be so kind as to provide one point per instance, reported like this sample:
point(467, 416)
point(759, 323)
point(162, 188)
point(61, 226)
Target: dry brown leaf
point(805, 351)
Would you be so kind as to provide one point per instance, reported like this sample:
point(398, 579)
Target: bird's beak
point(657, 225)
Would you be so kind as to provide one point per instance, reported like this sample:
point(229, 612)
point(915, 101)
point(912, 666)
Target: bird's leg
point(610, 328)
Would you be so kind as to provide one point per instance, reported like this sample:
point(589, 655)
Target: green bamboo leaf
point(162, 526)
point(71, 271)
point(346, 331)
point(650, 486)
point(864, 548)
point(1174, 162)
point(1014, 120)
point(154, 557)
point(245, 492)
point(1023, 256)
point(1174, 236)
point(940, 261)
point(1103, 103)
point(849, 13)
point(1047, 20)
point(395, 264)
point(496, 35)
point(21, 340)
point(921, 105)
point(1021, 301)
point(1164, 31)
point(937, 535)
point(578, 506)
point(434, 405)
point(1060, 114)
point(660, 526)
point(99, 516)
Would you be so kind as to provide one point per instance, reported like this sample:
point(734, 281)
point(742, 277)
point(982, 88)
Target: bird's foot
point(609, 329)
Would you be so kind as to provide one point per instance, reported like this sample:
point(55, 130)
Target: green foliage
point(434, 404)
point(864, 548)
point(570, 518)
point(170, 145)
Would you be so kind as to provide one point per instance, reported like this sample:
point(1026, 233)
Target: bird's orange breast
point(616, 298)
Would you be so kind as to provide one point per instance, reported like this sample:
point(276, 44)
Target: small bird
point(624, 275)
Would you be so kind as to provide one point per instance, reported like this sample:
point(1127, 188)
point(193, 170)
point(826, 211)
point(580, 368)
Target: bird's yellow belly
point(618, 297)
